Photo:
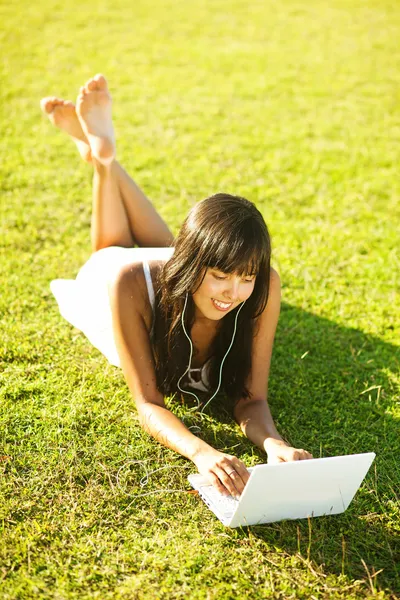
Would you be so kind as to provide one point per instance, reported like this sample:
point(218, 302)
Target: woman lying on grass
point(213, 289)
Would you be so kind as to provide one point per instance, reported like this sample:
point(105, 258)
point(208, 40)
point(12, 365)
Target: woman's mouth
point(224, 306)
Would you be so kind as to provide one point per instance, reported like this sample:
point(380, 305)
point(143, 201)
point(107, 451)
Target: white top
point(84, 301)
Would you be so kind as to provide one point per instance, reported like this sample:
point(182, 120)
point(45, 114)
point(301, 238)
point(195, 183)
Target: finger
point(236, 470)
point(241, 469)
point(237, 481)
point(306, 455)
point(297, 455)
point(301, 454)
point(215, 481)
point(228, 481)
point(241, 475)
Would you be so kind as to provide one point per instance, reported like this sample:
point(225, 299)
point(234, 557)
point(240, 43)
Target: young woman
point(195, 313)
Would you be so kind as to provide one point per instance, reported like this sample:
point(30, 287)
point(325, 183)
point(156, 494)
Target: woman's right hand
point(226, 473)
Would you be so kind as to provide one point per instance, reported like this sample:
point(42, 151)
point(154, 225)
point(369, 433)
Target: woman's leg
point(122, 214)
point(147, 227)
point(110, 225)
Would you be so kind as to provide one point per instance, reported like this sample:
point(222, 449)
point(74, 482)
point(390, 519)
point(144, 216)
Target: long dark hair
point(227, 233)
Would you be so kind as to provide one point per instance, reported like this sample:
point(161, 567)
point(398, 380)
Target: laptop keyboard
point(225, 504)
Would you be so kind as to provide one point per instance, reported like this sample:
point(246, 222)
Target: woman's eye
point(249, 279)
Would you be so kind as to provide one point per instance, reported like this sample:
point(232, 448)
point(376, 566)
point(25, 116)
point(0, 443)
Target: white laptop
point(291, 490)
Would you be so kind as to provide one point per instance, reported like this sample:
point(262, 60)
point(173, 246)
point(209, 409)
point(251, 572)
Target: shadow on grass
point(332, 391)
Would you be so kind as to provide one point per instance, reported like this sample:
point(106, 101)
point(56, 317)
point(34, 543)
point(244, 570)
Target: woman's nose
point(232, 291)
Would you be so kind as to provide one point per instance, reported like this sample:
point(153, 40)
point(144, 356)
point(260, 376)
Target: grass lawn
point(294, 105)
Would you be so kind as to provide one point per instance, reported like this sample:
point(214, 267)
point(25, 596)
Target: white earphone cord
point(191, 354)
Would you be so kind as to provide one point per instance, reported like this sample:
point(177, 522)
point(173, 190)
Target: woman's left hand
point(278, 451)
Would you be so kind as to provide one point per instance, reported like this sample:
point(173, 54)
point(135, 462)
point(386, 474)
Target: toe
point(91, 85)
point(48, 104)
point(82, 93)
point(101, 82)
point(85, 88)
point(45, 104)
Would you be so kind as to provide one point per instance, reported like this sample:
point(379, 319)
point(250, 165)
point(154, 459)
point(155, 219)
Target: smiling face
point(220, 293)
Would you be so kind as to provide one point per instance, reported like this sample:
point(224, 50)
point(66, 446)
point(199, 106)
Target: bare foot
point(93, 107)
point(63, 115)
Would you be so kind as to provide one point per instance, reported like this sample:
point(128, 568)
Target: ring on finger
point(230, 472)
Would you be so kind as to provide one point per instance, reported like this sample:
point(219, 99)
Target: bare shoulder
point(269, 316)
point(129, 278)
point(274, 293)
point(274, 280)
point(130, 284)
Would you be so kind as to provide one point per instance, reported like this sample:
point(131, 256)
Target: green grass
point(294, 105)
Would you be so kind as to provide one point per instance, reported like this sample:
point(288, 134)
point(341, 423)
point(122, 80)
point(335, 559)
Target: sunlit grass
point(294, 105)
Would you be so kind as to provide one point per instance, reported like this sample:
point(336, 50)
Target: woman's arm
point(131, 325)
point(253, 414)
point(134, 348)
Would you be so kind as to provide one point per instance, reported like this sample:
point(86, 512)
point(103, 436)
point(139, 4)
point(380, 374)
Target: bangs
point(244, 251)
